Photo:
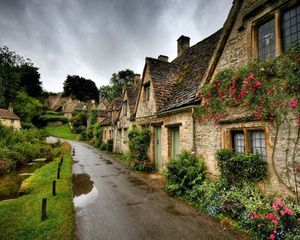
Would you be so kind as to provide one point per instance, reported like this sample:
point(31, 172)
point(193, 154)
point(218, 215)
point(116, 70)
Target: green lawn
point(21, 218)
point(62, 131)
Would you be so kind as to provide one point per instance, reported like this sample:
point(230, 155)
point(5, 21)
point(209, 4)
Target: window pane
point(258, 143)
point(238, 142)
point(266, 37)
point(291, 27)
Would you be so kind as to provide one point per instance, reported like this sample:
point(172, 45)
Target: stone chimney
point(163, 58)
point(136, 79)
point(183, 43)
point(10, 108)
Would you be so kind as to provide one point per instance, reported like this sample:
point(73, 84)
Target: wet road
point(113, 203)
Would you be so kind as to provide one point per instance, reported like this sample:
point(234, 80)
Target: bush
point(6, 165)
point(140, 166)
point(110, 145)
point(184, 172)
point(139, 140)
point(242, 167)
point(103, 146)
point(83, 136)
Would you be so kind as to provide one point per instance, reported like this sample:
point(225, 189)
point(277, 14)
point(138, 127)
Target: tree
point(30, 80)
point(27, 108)
point(80, 88)
point(118, 80)
point(16, 72)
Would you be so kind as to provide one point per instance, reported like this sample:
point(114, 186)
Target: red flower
point(272, 237)
point(251, 77)
point(257, 84)
point(293, 103)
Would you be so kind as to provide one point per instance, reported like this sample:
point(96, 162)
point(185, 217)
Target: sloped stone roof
point(132, 93)
point(192, 65)
point(164, 76)
point(6, 114)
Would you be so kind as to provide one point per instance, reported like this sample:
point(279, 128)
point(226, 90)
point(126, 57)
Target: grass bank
point(21, 218)
point(62, 131)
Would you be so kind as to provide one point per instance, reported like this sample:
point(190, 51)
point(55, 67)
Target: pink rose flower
point(272, 237)
point(293, 104)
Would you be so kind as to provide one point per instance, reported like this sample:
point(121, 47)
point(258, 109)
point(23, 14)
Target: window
point(258, 143)
point(125, 107)
point(278, 34)
point(291, 27)
point(147, 92)
point(249, 141)
point(238, 142)
point(266, 38)
point(12, 121)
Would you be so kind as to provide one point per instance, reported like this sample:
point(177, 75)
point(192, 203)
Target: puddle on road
point(84, 190)
point(82, 184)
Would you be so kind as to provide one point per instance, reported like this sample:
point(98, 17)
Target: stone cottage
point(253, 30)
point(9, 119)
point(167, 98)
point(126, 115)
point(169, 93)
point(109, 124)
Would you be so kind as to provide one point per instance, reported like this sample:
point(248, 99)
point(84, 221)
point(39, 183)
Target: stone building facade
point(168, 94)
point(9, 119)
point(254, 30)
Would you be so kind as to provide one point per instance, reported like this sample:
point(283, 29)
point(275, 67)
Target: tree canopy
point(17, 73)
point(118, 80)
point(80, 88)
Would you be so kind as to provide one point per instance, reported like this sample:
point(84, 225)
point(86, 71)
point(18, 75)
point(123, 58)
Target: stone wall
point(16, 124)
point(146, 108)
point(210, 137)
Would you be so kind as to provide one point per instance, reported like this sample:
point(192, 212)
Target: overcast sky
point(95, 38)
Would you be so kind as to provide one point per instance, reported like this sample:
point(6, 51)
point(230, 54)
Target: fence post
point(54, 188)
point(44, 209)
point(58, 172)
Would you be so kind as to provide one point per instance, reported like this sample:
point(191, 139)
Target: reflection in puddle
point(82, 184)
point(85, 199)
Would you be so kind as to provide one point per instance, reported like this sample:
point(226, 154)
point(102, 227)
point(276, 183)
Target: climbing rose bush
point(276, 224)
point(264, 89)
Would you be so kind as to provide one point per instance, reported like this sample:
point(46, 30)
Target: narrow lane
point(113, 203)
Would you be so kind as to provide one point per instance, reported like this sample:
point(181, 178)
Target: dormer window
point(147, 92)
point(124, 107)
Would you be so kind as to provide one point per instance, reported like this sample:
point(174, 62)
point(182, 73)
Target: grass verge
point(62, 131)
point(21, 218)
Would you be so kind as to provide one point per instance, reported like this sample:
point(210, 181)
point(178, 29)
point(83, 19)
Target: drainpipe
point(193, 130)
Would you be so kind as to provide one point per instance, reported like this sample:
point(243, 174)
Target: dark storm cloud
point(95, 38)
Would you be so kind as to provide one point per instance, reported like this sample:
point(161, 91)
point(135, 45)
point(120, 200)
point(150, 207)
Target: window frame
point(277, 15)
point(147, 91)
point(247, 138)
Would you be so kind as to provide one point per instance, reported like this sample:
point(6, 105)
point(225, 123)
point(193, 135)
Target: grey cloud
point(95, 38)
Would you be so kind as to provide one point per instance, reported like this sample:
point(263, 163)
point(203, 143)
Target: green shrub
point(144, 166)
point(184, 172)
point(103, 146)
point(83, 136)
point(139, 140)
point(110, 145)
point(242, 167)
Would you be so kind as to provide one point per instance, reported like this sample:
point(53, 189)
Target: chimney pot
point(163, 58)
point(183, 43)
point(10, 108)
